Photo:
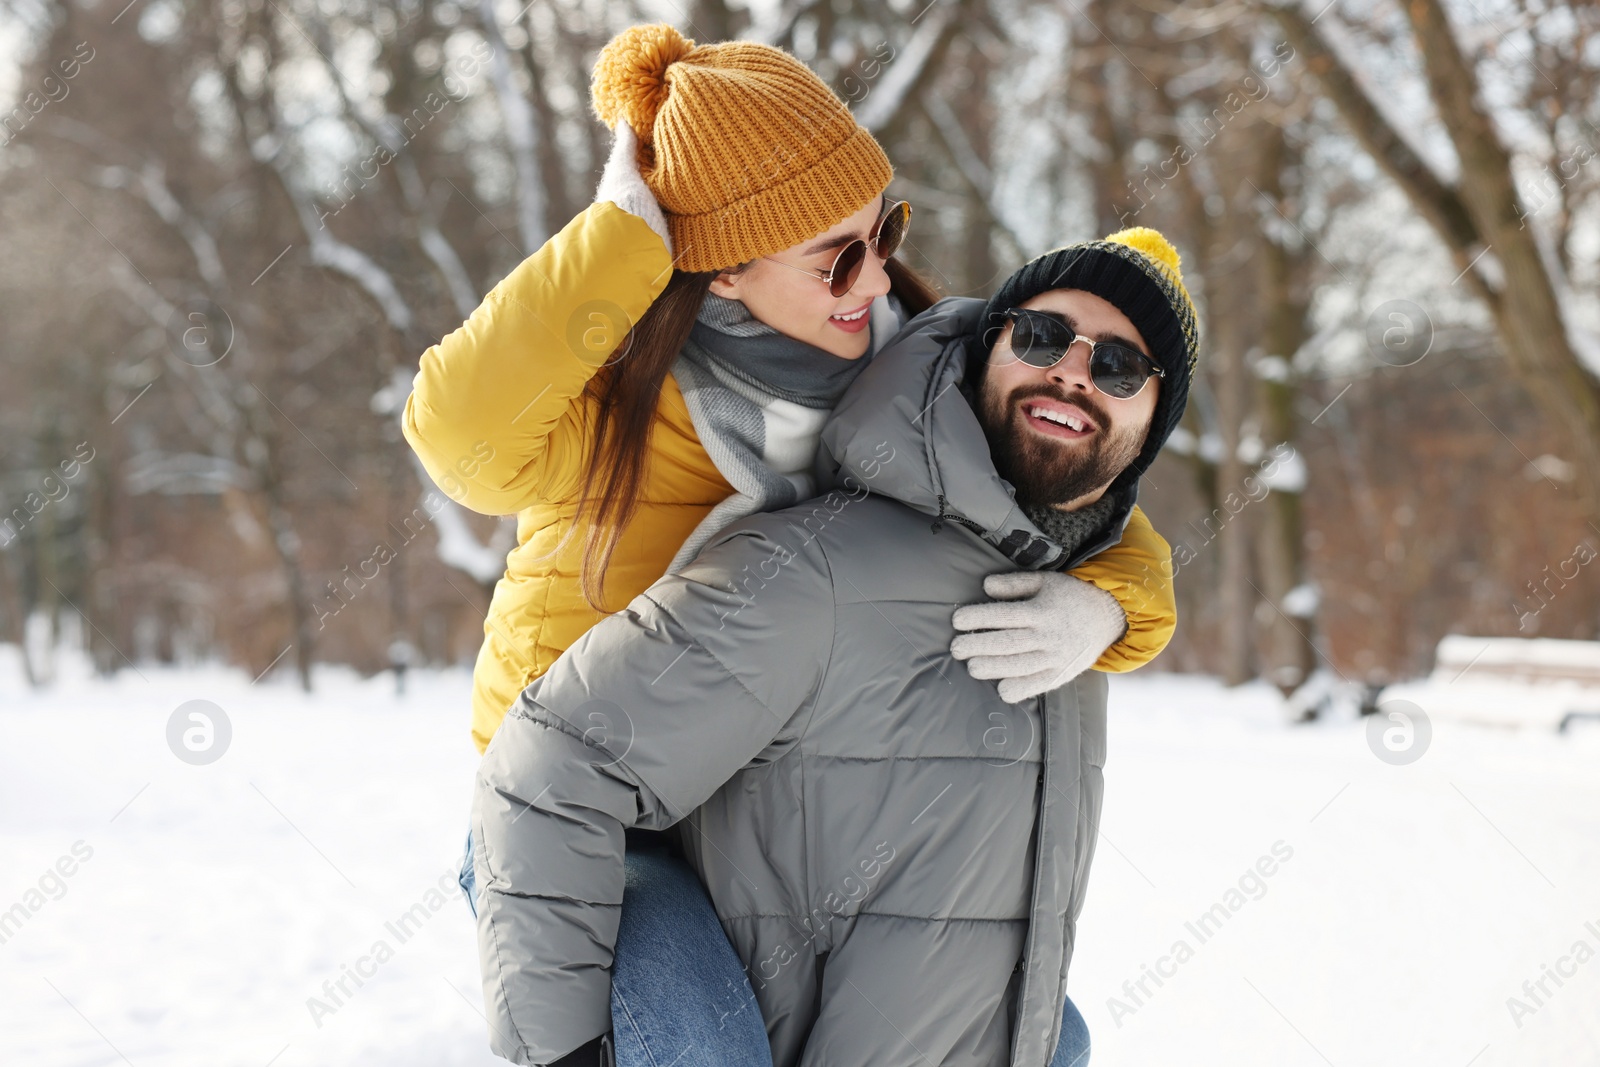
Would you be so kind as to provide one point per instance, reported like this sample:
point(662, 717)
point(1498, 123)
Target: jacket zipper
point(1038, 875)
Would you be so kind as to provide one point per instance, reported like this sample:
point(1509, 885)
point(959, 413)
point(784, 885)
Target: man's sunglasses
point(885, 240)
point(1042, 341)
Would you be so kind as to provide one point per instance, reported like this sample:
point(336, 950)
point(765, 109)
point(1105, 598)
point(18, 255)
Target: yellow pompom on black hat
point(1138, 272)
point(745, 148)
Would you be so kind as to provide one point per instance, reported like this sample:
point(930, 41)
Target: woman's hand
point(1042, 630)
point(623, 185)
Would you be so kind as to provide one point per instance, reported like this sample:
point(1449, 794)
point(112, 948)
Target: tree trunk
point(1290, 653)
point(1528, 315)
point(1108, 172)
point(978, 267)
point(14, 613)
point(1479, 221)
point(1236, 599)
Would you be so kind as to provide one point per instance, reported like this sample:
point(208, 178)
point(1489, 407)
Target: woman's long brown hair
point(625, 395)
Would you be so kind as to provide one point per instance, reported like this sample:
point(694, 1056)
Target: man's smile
point(1055, 419)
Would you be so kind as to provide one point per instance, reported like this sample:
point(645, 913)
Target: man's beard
point(1047, 470)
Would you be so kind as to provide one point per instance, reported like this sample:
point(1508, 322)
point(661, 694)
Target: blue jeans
point(1072, 1048)
point(679, 995)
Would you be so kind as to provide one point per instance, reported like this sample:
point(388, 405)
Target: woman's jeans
point(679, 996)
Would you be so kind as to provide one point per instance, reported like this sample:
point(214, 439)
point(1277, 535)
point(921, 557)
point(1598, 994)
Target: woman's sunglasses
point(885, 240)
point(1042, 341)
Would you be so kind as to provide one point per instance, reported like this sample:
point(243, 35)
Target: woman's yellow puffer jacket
point(498, 417)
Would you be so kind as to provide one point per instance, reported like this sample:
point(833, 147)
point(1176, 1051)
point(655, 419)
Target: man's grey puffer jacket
point(897, 855)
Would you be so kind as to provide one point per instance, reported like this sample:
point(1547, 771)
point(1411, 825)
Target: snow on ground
point(1418, 899)
point(218, 899)
point(1361, 913)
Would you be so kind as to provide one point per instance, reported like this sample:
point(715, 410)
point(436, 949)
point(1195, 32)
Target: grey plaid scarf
point(758, 399)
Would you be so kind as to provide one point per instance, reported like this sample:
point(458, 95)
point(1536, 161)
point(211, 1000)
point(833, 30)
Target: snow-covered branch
point(521, 132)
point(330, 252)
point(903, 78)
point(972, 167)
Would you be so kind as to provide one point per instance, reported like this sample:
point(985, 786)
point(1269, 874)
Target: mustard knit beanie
point(746, 149)
point(1139, 273)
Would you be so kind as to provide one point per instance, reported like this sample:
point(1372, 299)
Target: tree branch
point(1437, 201)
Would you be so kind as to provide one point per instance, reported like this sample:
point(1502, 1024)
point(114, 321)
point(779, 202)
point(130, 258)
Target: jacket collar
point(905, 429)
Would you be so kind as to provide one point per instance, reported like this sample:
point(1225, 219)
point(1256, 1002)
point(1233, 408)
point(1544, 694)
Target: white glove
point(1043, 629)
point(623, 185)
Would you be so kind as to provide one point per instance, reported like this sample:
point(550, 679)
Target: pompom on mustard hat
point(747, 151)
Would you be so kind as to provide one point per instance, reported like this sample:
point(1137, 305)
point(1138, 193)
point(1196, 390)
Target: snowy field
point(1361, 914)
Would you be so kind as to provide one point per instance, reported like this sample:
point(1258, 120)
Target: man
point(897, 853)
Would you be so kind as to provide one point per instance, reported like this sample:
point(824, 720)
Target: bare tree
point(1518, 274)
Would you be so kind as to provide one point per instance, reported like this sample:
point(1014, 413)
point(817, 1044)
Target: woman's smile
point(852, 321)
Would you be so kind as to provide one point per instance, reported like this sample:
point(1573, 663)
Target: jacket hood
point(905, 429)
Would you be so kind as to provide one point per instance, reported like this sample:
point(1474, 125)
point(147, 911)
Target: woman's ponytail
point(625, 395)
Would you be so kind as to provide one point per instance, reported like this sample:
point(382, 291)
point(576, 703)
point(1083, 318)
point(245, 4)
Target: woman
point(663, 366)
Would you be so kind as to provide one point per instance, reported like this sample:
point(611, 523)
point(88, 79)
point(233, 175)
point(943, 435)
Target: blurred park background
point(230, 227)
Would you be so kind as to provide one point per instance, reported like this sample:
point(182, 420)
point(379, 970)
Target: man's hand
point(1042, 630)
point(623, 185)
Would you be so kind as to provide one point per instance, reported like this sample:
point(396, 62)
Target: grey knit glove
point(623, 185)
point(1043, 629)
